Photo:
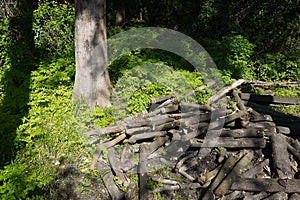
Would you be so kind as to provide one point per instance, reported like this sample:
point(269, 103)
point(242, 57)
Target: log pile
point(205, 152)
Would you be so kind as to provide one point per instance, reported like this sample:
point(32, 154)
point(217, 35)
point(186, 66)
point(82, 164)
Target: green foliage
point(53, 26)
point(280, 67)
point(232, 55)
point(50, 133)
point(121, 187)
point(4, 44)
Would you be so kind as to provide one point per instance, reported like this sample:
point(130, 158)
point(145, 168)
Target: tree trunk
point(92, 83)
point(120, 15)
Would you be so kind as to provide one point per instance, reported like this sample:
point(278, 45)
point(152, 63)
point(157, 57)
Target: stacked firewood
point(237, 153)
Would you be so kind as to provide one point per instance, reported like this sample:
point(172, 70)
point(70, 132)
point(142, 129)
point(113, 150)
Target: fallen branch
point(268, 185)
point(224, 91)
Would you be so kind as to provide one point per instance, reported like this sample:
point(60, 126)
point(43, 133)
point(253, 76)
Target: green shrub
point(279, 67)
point(53, 26)
point(232, 56)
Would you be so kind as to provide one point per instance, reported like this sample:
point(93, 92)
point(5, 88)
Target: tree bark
point(92, 83)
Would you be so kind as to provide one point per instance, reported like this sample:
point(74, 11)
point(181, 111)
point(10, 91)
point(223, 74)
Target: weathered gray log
point(269, 99)
point(153, 146)
point(268, 185)
point(148, 121)
point(161, 99)
point(260, 195)
point(252, 172)
point(165, 126)
point(255, 83)
point(229, 142)
point(166, 188)
point(202, 87)
point(130, 192)
point(193, 107)
point(243, 133)
point(294, 143)
point(226, 168)
point(136, 130)
point(191, 135)
point(164, 181)
point(105, 145)
point(278, 196)
point(142, 170)
point(219, 123)
point(224, 186)
point(108, 179)
point(224, 91)
point(281, 163)
point(293, 151)
point(116, 167)
point(268, 110)
point(241, 106)
point(283, 130)
point(194, 119)
point(169, 108)
point(107, 130)
point(143, 136)
point(209, 176)
point(234, 195)
point(295, 196)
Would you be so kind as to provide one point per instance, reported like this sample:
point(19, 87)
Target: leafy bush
point(232, 56)
point(279, 67)
point(53, 25)
point(50, 132)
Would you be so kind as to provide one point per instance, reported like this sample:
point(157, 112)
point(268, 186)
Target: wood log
point(108, 179)
point(267, 185)
point(161, 99)
point(116, 167)
point(255, 83)
point(132, 131)
point(143, 136)
point(148, 121)
point(202, 87)
point(268, 110)
point(225, 185)
point(193, 107)
point(164, 181)
point(293, 151)
point(142, 169)
point(283, 130)
point(278, 196)
point(229, 142)
point(191, 135)
point(252, 172)
point(234, 195)
point(130, 192)
point(295, 196)
point(244, 119)
point(165, 126)
point(105, 145)
point(153, 146)
point(281, 163)
point(209, 176)
point(260, 195)
point(219, 123)
point(166, 188)
point(107, 130)
point(243, 133)
point(226, 168)
point(269, 99)
point(224, 91)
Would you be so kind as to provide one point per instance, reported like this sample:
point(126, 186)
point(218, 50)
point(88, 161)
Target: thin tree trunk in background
point(92, 83)
point(120, 15)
